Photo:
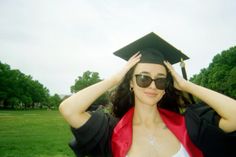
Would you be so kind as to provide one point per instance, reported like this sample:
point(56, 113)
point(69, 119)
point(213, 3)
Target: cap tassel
point(182, 65)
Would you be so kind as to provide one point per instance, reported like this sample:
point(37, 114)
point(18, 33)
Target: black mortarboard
point(153, 49)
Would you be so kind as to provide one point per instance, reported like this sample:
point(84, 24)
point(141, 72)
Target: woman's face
point(149, 95)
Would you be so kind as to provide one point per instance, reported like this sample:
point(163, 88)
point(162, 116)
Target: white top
point(181, 153)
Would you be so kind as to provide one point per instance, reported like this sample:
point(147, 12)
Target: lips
point(151, 94)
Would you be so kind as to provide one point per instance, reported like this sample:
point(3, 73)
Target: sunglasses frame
point(150, 80)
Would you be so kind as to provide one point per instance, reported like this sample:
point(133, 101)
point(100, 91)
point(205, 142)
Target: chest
point(161, 142)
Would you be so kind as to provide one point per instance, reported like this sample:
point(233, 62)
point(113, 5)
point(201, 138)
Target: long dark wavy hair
point(122, 98)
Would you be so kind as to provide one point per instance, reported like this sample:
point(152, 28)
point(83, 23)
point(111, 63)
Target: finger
point(170, 68)
point(134, 61)
point(135, 55)
point(168, 65)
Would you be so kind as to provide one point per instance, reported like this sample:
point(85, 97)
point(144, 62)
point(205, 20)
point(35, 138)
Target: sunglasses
point(144, 81)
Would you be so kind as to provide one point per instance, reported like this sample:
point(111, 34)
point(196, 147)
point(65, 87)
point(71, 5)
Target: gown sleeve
point(202, 124)
point(94, 137)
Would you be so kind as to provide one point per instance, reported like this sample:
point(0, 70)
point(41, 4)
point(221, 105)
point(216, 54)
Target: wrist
point(188, 87)
point(114, 80)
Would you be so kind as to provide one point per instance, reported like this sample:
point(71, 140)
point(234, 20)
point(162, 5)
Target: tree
point(221, 73)
point(54, 101)
point(18, 90)
point(89, 78)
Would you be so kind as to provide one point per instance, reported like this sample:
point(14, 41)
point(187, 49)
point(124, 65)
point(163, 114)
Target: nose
point(152, 85)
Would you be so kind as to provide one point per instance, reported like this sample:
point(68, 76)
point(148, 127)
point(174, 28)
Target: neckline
point(178, 153)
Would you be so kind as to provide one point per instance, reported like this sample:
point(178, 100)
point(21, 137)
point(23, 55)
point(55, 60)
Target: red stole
point(122, 133)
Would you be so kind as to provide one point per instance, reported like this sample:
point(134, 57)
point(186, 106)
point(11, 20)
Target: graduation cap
point(154, 49)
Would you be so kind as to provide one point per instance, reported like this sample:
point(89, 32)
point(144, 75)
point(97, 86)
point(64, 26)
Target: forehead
point(153, 69)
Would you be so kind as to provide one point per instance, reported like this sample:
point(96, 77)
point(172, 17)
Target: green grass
point(38, 133)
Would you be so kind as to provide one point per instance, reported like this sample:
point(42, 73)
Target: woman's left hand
point(179, 82)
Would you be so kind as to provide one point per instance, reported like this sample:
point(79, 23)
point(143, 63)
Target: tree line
point(20, 91)
point(220, 75)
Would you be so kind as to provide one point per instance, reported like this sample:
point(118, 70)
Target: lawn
point(37, 133)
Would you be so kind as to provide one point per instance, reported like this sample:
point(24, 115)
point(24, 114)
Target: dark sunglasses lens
point(143, 81)
point(161, 83)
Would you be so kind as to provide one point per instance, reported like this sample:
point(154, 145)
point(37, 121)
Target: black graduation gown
point(94, 137)
point(202, 125)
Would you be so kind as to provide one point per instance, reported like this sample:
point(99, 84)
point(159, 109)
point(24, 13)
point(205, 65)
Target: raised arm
point(223, 105)
point(73, 109)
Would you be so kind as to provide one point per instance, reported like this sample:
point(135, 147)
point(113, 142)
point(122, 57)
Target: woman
point(148, 110)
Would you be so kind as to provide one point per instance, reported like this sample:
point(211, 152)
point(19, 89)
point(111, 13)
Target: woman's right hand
point(131, 62)
point(74, 108)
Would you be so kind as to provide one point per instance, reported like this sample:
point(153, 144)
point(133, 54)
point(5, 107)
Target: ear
point(131, 83)
point(164, 92)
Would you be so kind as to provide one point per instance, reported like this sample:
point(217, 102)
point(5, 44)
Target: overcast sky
point(55, 41)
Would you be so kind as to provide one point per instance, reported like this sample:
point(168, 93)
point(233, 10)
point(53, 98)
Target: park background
point(51, 49)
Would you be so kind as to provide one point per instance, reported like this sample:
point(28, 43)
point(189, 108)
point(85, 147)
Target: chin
point(150, 102)
point(148, 99)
